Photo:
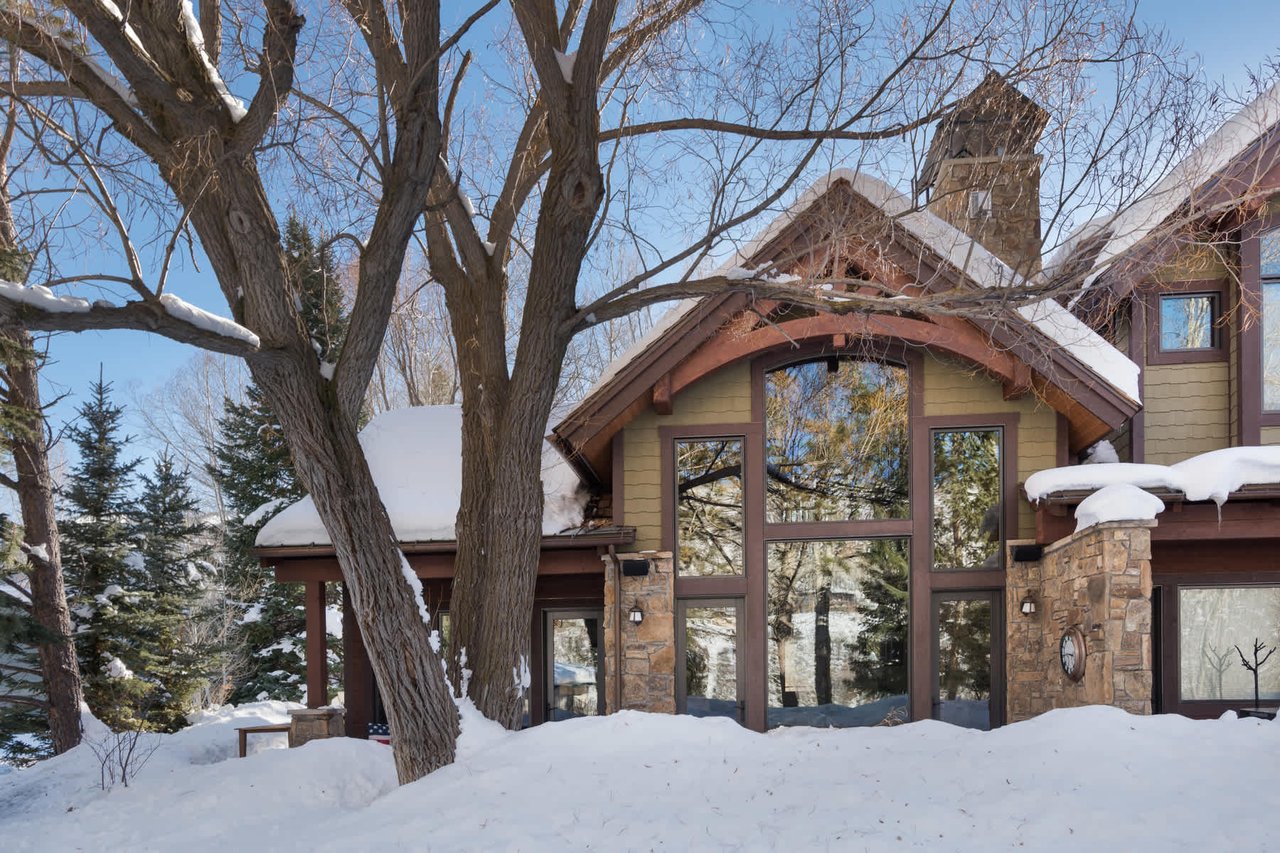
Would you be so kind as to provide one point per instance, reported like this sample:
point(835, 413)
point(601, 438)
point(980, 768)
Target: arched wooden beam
point(947, 334)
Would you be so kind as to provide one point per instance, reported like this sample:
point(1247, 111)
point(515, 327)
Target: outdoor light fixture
point(636, 615)
point(1028, 605)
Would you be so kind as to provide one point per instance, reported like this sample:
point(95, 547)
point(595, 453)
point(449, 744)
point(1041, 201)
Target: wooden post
point(357, 674)
point(317, 652)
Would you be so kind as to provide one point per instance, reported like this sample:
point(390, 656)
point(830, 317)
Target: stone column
point(310, 724)
point(1100, 581)
point(640, 659)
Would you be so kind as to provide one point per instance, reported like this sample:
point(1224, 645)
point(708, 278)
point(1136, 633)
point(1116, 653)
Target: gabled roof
point(1081, 358)
point(1186, 190)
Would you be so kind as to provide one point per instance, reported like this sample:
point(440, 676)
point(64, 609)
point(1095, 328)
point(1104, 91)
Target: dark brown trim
point(439, 567)
point(357, 674)
point(1151, 298)
point(1138, 355)
point(722, 586)
point(1252, 416)
point(597, 538)
point(1062, 441)
point(317, 651)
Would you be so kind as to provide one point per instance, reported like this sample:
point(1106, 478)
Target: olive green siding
point(725, 398)
point(1188, 410)
point(722, 398)
point(1271, 435)
point(953, 389)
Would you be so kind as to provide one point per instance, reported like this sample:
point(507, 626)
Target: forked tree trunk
point(58, 665)
point(332, 467)
point(240, 235)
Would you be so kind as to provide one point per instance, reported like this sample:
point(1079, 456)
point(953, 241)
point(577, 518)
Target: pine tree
point(24, 722)
point(174, 548)
point(254, 471)
point(104, 579)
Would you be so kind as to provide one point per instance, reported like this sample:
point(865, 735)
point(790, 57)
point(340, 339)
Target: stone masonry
point(647, 651)
point(1100, 580)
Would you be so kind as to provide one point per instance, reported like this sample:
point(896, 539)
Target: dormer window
point(1189, 322)
point(979, 204)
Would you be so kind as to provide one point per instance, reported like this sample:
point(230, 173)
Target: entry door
point(573, 675)
point(967, 659)
point(709, 668)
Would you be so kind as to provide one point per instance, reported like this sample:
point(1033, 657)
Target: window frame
point(1252, 416)
point(1263, 281)
point(1008, 486)
point(672, 436)
point(1220, 351)
point(739, 603)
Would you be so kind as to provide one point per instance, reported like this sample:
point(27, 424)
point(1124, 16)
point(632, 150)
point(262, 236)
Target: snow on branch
point(38, 309)
point(195, 37)
point(202, 319)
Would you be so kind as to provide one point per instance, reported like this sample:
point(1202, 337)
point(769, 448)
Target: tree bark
point(58, 665)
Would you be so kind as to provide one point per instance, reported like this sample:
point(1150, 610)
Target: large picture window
point(968, 501)
point(709, 507)
point(836, 441)
point(1212, 622)
point(1270, 269)
point(837, 632)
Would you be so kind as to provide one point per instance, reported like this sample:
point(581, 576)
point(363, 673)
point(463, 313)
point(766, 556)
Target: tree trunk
point(822, 643)
point(58, 663)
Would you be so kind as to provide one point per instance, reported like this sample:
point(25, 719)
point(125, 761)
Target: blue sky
point(1228, 36)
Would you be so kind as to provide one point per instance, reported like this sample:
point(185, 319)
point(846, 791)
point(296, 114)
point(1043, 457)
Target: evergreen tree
point(104, 579)
point(24, 723)
point(878, 657)
point(173, 567)
point(256, 475)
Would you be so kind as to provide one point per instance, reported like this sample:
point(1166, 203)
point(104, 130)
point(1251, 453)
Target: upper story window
point(1270, 275)
point(1189, 322)
point(836, 441)
point(968, 498)
point(709, 507)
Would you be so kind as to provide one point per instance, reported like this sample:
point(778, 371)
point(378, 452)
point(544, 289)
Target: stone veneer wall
point(648, 650)
point(1100, 580)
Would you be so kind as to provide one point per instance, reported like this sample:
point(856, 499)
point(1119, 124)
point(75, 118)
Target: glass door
point(967, 627)
point(709, 644)
point(573, 675)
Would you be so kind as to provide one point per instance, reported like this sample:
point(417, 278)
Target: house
point(790, 516)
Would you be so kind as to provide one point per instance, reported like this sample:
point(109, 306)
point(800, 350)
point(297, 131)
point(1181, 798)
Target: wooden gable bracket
point(663, 403)
point(1020, 385)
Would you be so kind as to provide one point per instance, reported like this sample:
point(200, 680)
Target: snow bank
point(1121, 502)
point(1081, 779)
point(1210, 476)
point(415, 456)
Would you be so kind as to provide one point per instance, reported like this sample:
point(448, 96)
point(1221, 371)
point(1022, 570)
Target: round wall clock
point(1071, 651)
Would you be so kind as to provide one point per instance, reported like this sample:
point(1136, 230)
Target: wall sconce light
point(636, 616)
point(1028, 605)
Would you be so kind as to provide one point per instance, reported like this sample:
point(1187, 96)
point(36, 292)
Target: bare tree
point(587, 128)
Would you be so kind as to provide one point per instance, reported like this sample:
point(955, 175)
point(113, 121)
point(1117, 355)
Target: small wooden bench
point(245, 731)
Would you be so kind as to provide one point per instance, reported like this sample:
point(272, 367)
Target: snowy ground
point(1086, 779)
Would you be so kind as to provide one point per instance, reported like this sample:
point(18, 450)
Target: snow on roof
point(1209, 476)
point(960, 250)
point(415, 456)
point(1119, 502)
point(1131, 226)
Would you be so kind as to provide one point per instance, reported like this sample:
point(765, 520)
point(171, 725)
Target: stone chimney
point(982, 173)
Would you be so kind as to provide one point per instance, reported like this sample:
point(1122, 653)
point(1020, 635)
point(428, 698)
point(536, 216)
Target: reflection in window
point(709, 507)
point(964, 662)
point(967, 505)
point(837, 632)
point(711, 662)
point(1270, 247)
point(836, 441)
point(1187, 321)
point(1212, 621)
point(575, 667)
